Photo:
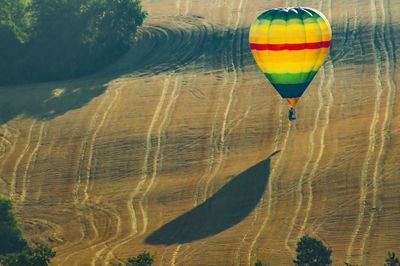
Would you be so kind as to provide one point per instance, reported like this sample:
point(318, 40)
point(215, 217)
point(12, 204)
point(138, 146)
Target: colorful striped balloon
point(290, 45)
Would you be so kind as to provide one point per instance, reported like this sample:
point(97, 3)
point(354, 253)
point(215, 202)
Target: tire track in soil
point(387, 121)
point(175, 255)
point(226, 123)
point(13, 182)
point(82, 154)
point(32, 157)
point(290, 128)
point(158, 155)
point(93, 140)
point(162, 127)
point(220, 147)
point(144, 175)
point(81, 202)
point(310, 180)
point(178, 6)
point(12, 140)
point(213, 149)
point(93, 206)
point(371, 142)
point(85, 231)
point(260, 206)
point(211, 161)
point(5, 141)
point(97, 255)
point(303, 178)
point(188, 7)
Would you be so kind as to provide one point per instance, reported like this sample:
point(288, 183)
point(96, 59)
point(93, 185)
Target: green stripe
point(267, 15)
point(315, 13)
point(280, 13)
point(291, 78)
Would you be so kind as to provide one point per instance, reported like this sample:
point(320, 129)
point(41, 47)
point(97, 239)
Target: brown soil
point(183, 149)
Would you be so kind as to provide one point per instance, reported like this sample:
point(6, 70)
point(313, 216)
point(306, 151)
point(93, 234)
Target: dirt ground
point(183, 149)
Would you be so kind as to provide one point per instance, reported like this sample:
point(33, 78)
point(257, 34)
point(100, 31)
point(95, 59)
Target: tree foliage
point(14, 20)
point(11, 239)
point(144, 259)
point(392, 260)
point(57, 39)
point(259, 263)
point(38, 256)
point(14, 249)
point(312, 252)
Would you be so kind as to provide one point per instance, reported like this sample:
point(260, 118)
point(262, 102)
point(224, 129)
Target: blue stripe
point(291, 90)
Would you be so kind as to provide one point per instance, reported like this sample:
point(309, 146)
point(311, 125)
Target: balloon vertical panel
point(290, 45)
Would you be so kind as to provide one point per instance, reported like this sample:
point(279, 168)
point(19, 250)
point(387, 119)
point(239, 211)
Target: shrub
point(392, 260)
point(144, 259)
point(312, 252)
point(11, 239)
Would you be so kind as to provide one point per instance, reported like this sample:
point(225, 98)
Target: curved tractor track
point(183, 149)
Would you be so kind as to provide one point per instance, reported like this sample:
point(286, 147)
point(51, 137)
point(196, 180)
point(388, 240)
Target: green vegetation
point(43, 40)
point(259, 263)
point(392, 260)
point(38, 256)
point(312, 252)
point(144, 259)
point(14, 249)
point(11, 239)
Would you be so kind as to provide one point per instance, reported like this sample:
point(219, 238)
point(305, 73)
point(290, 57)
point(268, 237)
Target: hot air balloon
point(290, 45)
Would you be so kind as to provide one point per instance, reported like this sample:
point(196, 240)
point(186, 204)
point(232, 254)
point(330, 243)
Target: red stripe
point(289, 46)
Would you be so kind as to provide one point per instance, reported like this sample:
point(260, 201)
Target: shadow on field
point(226, 208)
point(161, 49)
point(47, 100)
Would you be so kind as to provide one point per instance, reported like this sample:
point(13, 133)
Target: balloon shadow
point(226, 208)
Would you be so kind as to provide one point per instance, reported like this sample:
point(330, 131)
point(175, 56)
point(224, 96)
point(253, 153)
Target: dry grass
point(154, 153)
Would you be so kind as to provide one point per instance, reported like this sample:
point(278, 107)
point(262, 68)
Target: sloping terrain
point(183, 149)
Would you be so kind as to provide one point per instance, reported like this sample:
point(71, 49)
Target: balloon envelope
point(290, 45)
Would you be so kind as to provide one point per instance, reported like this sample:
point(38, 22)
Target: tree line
point(312, 252)
point(15, 250)
point(42, 40)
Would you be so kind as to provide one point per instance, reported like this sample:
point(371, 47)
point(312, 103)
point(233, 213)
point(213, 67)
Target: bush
point(259, 263)
point(11, 239)
point(312, 252)
point(14, 249)
point(144, 259)
point(38, 256)
point(392, 260)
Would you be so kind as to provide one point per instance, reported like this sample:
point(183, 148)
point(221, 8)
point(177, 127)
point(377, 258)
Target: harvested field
point(183, 149)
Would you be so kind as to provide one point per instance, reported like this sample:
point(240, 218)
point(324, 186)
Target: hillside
point(182, 148)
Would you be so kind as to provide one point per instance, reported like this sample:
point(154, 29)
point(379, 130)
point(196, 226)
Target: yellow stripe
point(286, 55)
point(325, 29)
point(276, 33)
point(321, 59)
point(290, 61)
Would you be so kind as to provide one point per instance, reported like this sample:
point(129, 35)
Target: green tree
point(57, 39)
point(14, 19)
point(259, 263)
point(392, 260)
point(84, 35)
point(312, 252)
point(144, 259)
point(14, 249)
point(38, 256)
point(11, 239)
